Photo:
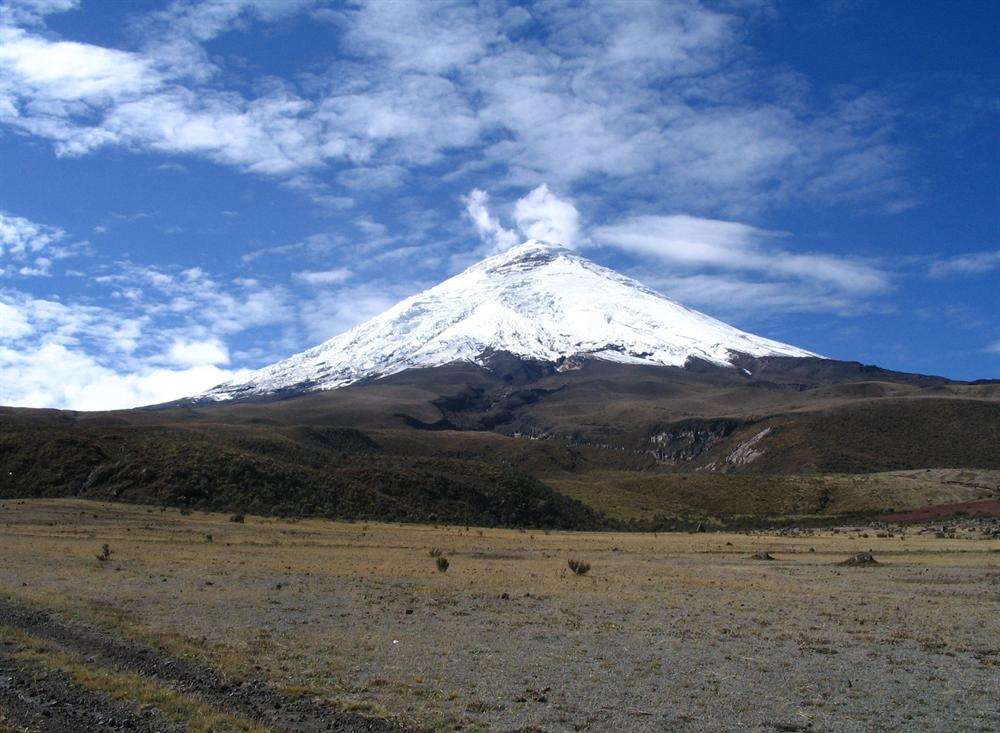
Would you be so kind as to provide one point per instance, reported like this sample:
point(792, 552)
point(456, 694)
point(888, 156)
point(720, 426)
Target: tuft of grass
point(442, 564)
point(579, 567)
point(105, 553)
point(436, 552)
point(238, 518)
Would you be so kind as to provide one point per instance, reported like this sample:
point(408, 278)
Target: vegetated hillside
point(656, 497)
point(886, 435)
point(461, 443)
point(291, 470)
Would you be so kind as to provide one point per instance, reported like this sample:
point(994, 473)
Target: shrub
point(105, 553)
point(436, 552)
point(579, 567)
point(442, 564)
point(238, 518)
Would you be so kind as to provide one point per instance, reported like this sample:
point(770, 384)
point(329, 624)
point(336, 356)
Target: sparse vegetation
point(384, 589)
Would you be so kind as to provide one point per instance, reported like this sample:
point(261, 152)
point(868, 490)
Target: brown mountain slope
point(461, 442)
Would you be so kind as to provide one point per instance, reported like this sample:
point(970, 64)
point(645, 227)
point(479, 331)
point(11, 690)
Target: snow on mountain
point(536, 300)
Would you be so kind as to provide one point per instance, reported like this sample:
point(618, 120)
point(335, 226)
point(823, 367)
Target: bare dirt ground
point(198, 623)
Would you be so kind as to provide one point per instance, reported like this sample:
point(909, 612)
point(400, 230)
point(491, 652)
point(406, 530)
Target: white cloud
point(682, 238)
point(29, 249)
point(690, 242)
point(324, 277)
point(315, 245)
point(427, 38)
point(86, 357)
point(488, 226)
point(29, 12)
point(55, 375)
point(188, 353)
point(976, 263)
point(160, 336)
point(543, 215)
point(13, 322)
point(52, 72)
point(195, 295)
point(994, 348)
point(385, 176)
point(712, 263)
point(324, 318)
point(734, 298)
point(20, 236)
point(653, 98)
point(540, 214)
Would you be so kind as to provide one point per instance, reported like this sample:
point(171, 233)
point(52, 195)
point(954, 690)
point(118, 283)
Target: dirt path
point(42, 700)
point(52, 702)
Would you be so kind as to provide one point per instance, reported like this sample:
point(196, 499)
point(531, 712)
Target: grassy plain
point(666, 631)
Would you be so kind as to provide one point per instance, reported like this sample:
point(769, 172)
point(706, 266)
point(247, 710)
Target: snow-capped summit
point(536, 300)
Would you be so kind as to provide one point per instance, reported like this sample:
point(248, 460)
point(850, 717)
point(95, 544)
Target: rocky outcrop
point(689, 439)
point(749, 450)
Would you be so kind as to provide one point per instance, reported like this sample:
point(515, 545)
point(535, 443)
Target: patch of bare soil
point(253, 700)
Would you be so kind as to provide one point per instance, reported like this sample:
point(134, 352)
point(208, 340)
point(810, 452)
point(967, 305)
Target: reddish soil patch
point(987, 507)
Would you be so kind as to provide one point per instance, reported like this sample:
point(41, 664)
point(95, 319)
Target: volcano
point(536, 301)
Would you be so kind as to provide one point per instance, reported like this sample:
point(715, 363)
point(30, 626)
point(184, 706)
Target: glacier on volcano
point(537, 301)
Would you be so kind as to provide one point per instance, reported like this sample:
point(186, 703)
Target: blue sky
point(192, 189)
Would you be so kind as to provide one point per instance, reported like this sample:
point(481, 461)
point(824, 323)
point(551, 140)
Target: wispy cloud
point(20, 237)
point(161, 336)
point(740, 299)
point(324, 277)
point(324, 318)
point(692, 242)
point(30, 249)
point(709, 262)
point(488, 226)
point(655, 96)
point(976, 263)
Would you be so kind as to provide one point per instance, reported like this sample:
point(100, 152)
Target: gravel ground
point(668, 632)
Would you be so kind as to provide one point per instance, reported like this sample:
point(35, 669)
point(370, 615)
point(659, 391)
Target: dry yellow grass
point(662, 625)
